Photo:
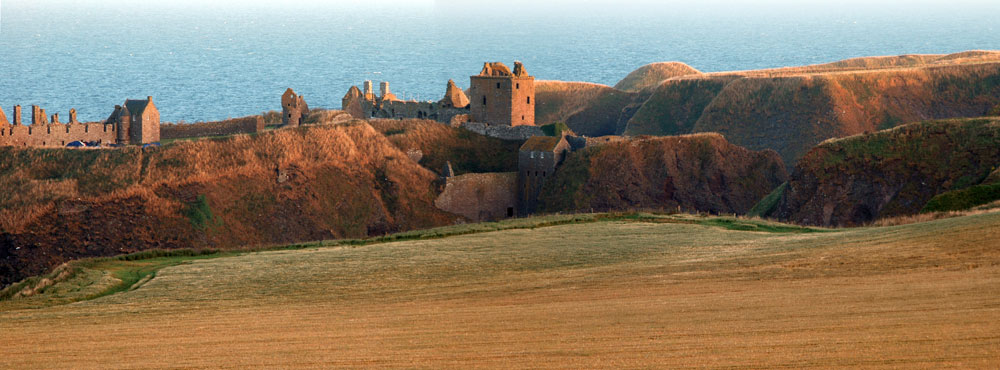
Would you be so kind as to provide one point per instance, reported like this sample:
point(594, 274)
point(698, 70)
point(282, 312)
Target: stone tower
point(293, 109)
point(122, 120)
point(501, 97)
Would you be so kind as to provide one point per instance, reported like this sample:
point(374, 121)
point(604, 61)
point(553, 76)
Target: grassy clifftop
point(894, 172)
point(310, 183)
point(651, 75)
point(696, 172)
point(789, 110)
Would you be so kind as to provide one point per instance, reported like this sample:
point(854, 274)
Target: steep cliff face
point(281, 187)
point(696, 172)
point(895, 172)
point(789, 110)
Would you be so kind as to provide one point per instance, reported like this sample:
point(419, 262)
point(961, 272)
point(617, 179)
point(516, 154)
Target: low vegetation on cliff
point(281, 186)
point(895, 172)
point(696, 173)
point(439, 144)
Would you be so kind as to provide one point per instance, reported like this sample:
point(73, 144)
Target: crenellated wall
point(56, 135)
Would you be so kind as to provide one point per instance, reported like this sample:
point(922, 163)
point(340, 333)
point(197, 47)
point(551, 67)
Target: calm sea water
point(212, 61)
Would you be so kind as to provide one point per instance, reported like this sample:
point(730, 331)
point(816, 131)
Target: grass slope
point(282, 186)
point(890, 173)
point(789, 110)
point(651, 75)
point(617, 292)
point(695, 172)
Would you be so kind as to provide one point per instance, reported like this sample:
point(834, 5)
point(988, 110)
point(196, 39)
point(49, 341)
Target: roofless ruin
point(497, 96)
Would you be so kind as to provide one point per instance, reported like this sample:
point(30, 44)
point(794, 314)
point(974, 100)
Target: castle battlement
point(136, 122)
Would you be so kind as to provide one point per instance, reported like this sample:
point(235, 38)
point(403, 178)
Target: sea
point(211, 60)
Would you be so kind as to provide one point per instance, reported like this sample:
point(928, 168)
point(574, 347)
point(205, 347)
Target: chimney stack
point(384, 89)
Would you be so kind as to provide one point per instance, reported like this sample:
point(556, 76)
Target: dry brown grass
point(610, 294)
point(558, 100)
point(340, 181)
point(651, 75)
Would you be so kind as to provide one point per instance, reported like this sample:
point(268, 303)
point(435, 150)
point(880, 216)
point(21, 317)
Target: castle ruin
point(136, 122)
point(293, 109)
point(500, 97)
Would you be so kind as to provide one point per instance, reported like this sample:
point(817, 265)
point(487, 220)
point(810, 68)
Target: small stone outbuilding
point(537, 161)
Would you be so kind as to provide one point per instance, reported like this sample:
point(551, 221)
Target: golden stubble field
point(606, 294)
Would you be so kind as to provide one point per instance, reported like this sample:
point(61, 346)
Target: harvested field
point(651, 292)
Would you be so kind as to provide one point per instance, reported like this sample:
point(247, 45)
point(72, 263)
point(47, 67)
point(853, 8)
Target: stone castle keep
point(499, 96)
point(136, 122)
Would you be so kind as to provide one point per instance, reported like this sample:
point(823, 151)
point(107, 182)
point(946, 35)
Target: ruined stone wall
point(502, 132)
point(352, 105)
point(56, 135)
point(245, 125)
point(398, 109)
point(480, 196)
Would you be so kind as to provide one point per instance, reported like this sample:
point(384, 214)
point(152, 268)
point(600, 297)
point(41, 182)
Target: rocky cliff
point(856, 180)
point(700, 172)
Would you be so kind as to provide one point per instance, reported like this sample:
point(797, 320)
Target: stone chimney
point(369, 90)
point(17, 115)
point(384, 89)
point(55, 118)
point(72, 116)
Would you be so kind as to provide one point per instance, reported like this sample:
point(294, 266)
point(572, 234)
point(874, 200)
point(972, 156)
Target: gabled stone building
point(137, 122)
point(537, 161)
